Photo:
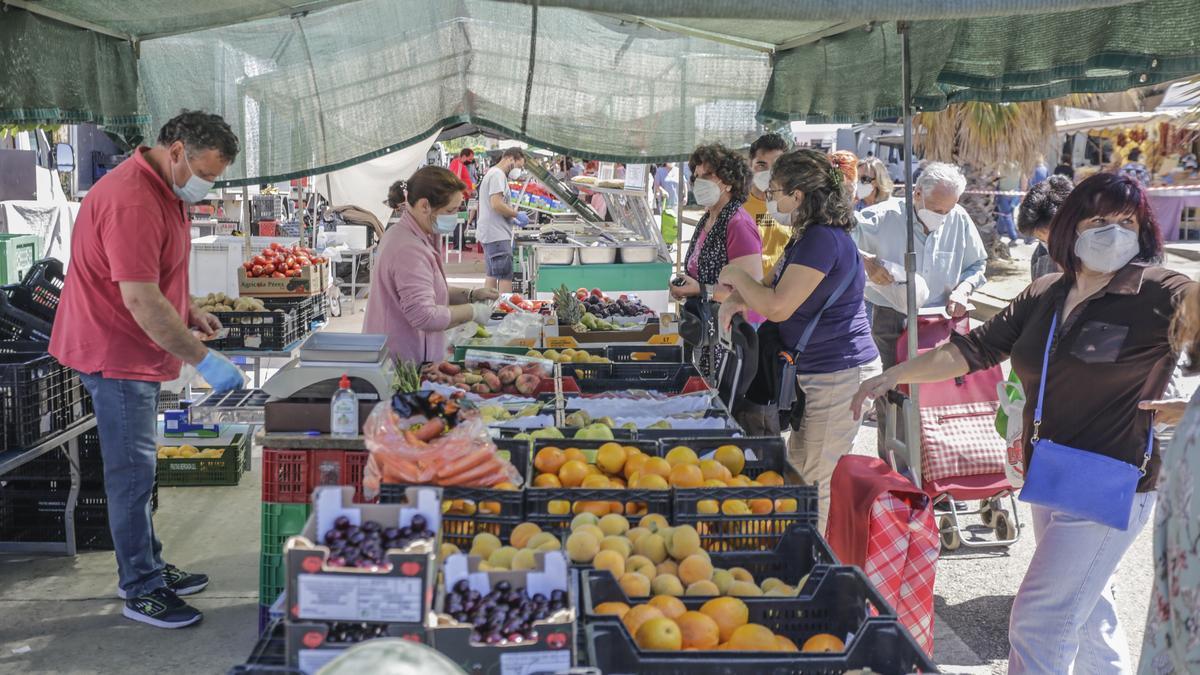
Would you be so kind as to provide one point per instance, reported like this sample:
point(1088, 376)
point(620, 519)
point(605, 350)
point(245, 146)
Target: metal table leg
point(72, 450)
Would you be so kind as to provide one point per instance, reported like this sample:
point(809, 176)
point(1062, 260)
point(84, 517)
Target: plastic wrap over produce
point(419, 450)
point(635, 403)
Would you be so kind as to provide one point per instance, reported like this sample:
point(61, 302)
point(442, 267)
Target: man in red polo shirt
point(125, 323)
point(461, 166)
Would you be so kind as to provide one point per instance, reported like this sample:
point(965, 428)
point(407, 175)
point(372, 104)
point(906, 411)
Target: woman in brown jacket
point(1109, 352)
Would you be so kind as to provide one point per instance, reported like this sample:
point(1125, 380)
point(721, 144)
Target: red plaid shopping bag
point(902, 555)
point(961, 440)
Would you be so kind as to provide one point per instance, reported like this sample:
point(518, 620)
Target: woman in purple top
point(726, 233)
point(819, 279)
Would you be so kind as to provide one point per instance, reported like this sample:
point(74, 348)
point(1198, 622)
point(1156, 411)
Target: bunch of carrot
point(463, 456)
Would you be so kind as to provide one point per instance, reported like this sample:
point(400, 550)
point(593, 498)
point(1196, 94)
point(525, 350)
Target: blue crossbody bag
point(1080, 482)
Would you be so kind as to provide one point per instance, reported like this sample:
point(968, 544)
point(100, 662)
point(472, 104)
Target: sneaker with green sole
point(183, 583)
point(161, 608)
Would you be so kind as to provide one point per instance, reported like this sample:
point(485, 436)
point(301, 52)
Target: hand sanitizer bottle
point(343, 410)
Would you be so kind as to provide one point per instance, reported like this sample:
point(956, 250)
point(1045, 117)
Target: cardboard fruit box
point(313, 279)
point(400, 591)
point(553, 647)
point(311, 645)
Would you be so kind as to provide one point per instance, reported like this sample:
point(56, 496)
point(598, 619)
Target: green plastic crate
point(18, 252)
point(279, 521)
point(191, 471)
point(272, 575)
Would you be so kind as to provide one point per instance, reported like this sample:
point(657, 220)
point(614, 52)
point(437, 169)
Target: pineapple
point(569, 308)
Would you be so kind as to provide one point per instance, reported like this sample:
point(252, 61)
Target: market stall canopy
point(317, 85)
point(1071, 120)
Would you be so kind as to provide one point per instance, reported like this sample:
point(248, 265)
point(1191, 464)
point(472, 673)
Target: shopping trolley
point(959, 456)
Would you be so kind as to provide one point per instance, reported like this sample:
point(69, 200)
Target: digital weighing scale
point(313, 375)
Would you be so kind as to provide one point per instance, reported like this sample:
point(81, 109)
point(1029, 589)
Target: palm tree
point(981, 138)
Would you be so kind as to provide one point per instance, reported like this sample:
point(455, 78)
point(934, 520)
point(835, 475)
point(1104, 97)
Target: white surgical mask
point(515, 173)
point(864, 190)
point(1107, 249)
point(931, 219)
point(445, 223)
point(706, 191)
point(762, 180)
point(195, 189)
point(781, 218)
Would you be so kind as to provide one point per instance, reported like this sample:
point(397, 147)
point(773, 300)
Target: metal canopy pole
point(911, 424)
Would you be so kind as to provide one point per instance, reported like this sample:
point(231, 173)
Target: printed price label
point(359, 598)
point(664, 339)
point(528, 663)
point(561, 342)
point(528, 343)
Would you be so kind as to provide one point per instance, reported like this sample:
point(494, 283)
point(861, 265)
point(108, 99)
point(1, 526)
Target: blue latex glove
point(220, 373)
point(522, 219)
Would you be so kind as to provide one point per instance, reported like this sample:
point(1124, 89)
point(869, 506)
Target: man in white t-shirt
point(496, 218)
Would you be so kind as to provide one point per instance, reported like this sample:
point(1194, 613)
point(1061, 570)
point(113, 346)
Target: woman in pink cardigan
point(410, 301)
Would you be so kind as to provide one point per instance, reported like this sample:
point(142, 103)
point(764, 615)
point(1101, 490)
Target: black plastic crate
point(267, 331)
point(645, 353)
point(882, 645)
point(45, 281)
point(760, 528)
point(553, 508)
point(669, 378)
point(797, 561)
point(17, 322)
point(269, 654)
point(731, 428)
point(838, 600)
point(34, 510)
point(567, 432)
point(55, 465)
point(310, 310)
point(39, 397)
point(473, 510)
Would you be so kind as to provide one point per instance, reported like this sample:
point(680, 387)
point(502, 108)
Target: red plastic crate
point(290, 476)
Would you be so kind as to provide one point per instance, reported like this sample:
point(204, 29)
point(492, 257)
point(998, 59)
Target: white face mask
point(706, 191)
point(445, 223)
point(1107, 249)
point(931, 219)
point(781, 218)
point(864, 190)
point(762, 180)
point(515, 173)
point(195, 189)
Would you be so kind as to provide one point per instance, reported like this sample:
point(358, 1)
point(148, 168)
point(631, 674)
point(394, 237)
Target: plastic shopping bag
point(416, 450)
point(1010, 425)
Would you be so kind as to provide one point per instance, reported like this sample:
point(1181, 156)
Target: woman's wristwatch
point(470, 294)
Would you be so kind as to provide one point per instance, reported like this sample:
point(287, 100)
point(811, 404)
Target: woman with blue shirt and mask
point(816, 297)
point(410, 301)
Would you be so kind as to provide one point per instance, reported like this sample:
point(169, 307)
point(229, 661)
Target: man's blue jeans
point(127, 418)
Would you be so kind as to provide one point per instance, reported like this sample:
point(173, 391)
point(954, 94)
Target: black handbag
point(775, 396)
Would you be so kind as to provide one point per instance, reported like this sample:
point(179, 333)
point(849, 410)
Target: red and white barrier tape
point(1021, 193)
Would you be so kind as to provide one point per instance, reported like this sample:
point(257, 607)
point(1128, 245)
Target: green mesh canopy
point(314, 85)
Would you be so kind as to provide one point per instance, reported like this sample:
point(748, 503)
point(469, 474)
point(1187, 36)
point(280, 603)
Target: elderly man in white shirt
point(951, 258)
point(951, 261)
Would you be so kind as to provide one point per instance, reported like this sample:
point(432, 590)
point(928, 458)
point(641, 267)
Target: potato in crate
point(204, 461)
